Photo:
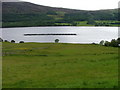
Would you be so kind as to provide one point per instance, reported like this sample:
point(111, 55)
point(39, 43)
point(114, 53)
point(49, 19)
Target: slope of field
point(49, 65)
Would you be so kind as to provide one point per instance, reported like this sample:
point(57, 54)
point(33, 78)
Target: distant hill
point(26, 7)
point(28, 14)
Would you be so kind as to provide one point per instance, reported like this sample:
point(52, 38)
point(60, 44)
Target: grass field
point(76, 23)
point(49, 65)
point(96, 23)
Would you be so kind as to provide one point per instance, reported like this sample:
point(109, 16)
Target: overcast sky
point(79, 4)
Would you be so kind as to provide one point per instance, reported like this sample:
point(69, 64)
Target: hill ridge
point(29, 14)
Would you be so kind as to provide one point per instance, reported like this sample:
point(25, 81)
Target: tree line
point(12, 41)
point(112, 43)
point(45, 19)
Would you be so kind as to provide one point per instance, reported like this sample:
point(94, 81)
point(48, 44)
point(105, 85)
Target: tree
point(74, 23)
point(21, 42)
point(51, 13)
point(1, 40)
point(90, 19)
point(56, 40)
point(114, 43)
point(94, 43)
point(12, 41)
point(107, 43)
point(102, 42)
point(118, 40)
point(6, 41)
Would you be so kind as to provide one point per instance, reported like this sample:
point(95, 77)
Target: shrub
point(21, 42)
point(114, 43)
point(56, 40)
point(1, 40)
point(102, 42)
point(12, 41)
point(118, 40)
point(107, 43)
point(6, 41)
point(94, 43)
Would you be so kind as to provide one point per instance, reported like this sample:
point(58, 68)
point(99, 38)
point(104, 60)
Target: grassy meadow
point(59, 65)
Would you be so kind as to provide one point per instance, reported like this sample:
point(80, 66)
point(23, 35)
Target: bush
point(21, 42)
point(94, 43)
point(113, 43)
point(6, 41)
point(102, 42)
point(107, 43)
point(118, 40)
point(56, 40)
point(1, 40)
point(12, 41)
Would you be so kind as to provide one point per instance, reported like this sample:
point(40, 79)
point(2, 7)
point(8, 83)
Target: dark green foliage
point(113, 43)
point(28, 14)
point(74, 24)
point(1, 40)
point(27, 20)
point(118, 40)
point(105, 14)
point(51, 13)
point(6, 41)
point(12, 41)
point(94, 43)
point(90, 19)
point(25, 17)
point(102, 24)
point(75, 17)
point(101, 42)
point(21, 42)
point(56, 40)
point(107, 43)
point(107, 23)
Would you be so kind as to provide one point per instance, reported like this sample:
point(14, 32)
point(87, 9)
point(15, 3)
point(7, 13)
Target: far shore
point(56, 26)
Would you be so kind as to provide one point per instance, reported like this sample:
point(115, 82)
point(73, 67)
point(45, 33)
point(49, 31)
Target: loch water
point(65, 34)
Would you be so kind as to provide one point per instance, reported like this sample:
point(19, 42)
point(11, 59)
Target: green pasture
point(59, 65)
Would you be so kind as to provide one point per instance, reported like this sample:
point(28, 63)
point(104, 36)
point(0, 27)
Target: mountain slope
point(26, 7)
point(29, 14)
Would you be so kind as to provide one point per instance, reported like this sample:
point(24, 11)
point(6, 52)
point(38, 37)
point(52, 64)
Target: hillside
point(26, 7)
point(28, 14)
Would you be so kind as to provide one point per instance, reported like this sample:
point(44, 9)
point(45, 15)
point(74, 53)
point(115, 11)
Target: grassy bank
point(49, 65)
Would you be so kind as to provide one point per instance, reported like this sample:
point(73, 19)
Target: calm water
point(84, 34)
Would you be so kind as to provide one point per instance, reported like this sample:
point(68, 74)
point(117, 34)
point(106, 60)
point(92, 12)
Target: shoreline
point(56, 26)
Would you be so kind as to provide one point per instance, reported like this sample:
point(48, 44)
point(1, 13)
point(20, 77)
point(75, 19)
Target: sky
point(79, 4)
